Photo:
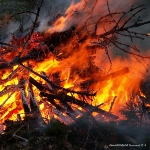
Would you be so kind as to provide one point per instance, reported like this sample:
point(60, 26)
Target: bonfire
point(85, 63)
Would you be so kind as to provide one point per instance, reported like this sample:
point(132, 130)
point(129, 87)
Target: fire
point(114, 92)
point(121, 87)
point(142, 94)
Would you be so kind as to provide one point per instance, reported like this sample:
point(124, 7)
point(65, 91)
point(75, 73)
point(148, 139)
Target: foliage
point(57, 130)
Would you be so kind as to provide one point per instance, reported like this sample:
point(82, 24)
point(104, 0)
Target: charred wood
point(56, 38)
point(48, 84)
point(112, 103)
point(35, 118)
point(51, 100)
point(51, 97)
point(32, 55)
point(33, 102)
point(37, 84)
point(24, 101)
point(63, 90)
point(67, 98)
point(106, 77)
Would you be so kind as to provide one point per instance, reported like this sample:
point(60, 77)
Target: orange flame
point(71, 68)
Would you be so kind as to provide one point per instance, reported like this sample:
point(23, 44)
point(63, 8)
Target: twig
point(2, 43)
point(33, 27)
point(112, 103)
point(131, 53)
point(7, 99)
point(19, 137)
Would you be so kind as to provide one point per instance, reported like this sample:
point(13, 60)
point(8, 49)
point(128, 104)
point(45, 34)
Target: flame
point(142, 94)
point(148, 105)
point(121, 86)
point(114, 93)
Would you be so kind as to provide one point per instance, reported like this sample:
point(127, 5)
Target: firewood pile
point(50, 79)
point(51, 89)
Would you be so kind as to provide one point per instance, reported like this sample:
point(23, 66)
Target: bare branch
point(33, 27)
point(134, 54)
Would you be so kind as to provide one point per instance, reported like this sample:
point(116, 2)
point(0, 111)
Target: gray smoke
point(49, 11)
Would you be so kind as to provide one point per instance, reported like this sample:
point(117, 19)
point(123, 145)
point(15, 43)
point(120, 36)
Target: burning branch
point(122, 27)
point(34, 25)
point(32, 28)
point(24, 100)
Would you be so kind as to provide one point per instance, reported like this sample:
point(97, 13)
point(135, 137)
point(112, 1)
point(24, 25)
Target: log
point(24, 101)
point(47, 83)
point(35, 119)
point(64, 99)
point(33, 102)
point(106, 77)
point(115, 74)
point(51, 97)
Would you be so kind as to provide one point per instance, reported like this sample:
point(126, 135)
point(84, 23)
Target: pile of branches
point(48, 44)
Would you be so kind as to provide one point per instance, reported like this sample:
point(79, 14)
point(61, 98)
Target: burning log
point(32, 114)
point(115, 74)
point(57, 88)
point(106, 77)
point(24, 101)
point(38, 85)
point(33, 102)
point(12, 88)
point(58, 107)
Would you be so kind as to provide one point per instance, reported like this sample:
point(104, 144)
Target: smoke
point(86, 11)
point(50, 11)
point(72, 13)
point(8, 30)
point(77, 14)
